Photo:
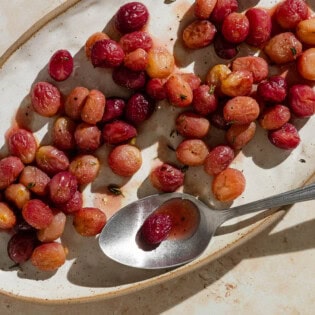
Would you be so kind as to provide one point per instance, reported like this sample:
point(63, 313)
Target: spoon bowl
point(119, 239)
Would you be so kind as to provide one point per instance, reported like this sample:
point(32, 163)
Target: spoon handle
point(296, 195)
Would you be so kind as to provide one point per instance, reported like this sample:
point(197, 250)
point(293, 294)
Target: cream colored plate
point(87, 274)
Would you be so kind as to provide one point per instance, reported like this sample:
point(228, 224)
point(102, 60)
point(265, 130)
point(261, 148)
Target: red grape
point(60, 65)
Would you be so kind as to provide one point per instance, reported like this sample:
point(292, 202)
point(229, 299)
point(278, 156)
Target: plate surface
point(88, 274)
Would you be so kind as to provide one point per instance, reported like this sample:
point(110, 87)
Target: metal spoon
point(118, 240)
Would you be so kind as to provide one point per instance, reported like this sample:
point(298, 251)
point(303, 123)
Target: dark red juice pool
point(184, 215)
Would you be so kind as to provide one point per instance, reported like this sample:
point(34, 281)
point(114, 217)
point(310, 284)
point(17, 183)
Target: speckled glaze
point(87, 274)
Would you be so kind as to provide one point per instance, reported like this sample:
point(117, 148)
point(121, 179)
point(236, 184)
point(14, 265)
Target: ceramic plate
point(88, 274)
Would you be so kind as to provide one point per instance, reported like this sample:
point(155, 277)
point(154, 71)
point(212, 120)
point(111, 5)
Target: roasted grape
point(218, 159)
point(63, 133)
point(85, 168)
point(7, 217)
point(20, 246)
point(191, 125)
point(62, 187)
point(35, 180)
point(37, 214)
point(235, 28)
point(51, 160)
point(93, 109)
point(228, 184)
point(107, 53)
point(60, 65)
point(167, 178)
point(125, 160)
point(118, 131)
point(302, 100)
point(17, 194)
point(192, 152)
point(131, 17)
point(89, 221)
point(49, 256)
point(286, 137)
point(10, 168)
point(22, 143)
point(87, 137)
point(199, 34)
point(45, 99)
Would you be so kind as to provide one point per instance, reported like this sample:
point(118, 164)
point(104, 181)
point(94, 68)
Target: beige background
point(272, 274)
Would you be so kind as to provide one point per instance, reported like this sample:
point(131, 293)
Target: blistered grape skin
point(45, 99)
point(20, 247)
point(125, 160)
point(107, 53)
point(283, 48)
point(166, 178)
point(305, 31)
point(274, 117)
point(216, 75)
point(92, 40)
point(156, 228)
point(134, 40)
point(128, 78)
point(73, 205)
point(62, 187)
point(218, 159)
point(139, 108)
point(35, 180)
point(75, 102)
point(118, 131)
point(274, 89)
point(237, 83)
point(7, 217)
point(63, 133)
point(22, 143)
point(290, 12)
point(55, 228)
point(155, 89)
point(286, 137)
point(192, 152)
point(17, 194)
point(94, 106)
point(302, 100)
point(256, 65)
point(192, 79)
point(161, 63)
point(237, 136)
point(136, 60)
point(205, 101)
point(85, 168)
point(60, 65)
point(48, 256)
point(199, 34)
point(89, 221)
point(222, 9)
point(51, 160)
point(241, 110)
point(204, 8)
point(228, 185)
point(10, 169)
point(260, 26)
point(178, 91)
point(131, 17)
point(305, 64)
point(37, 214)
point(235, 27)
point(114, 109)
point(87, 137)
point(192, 125)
